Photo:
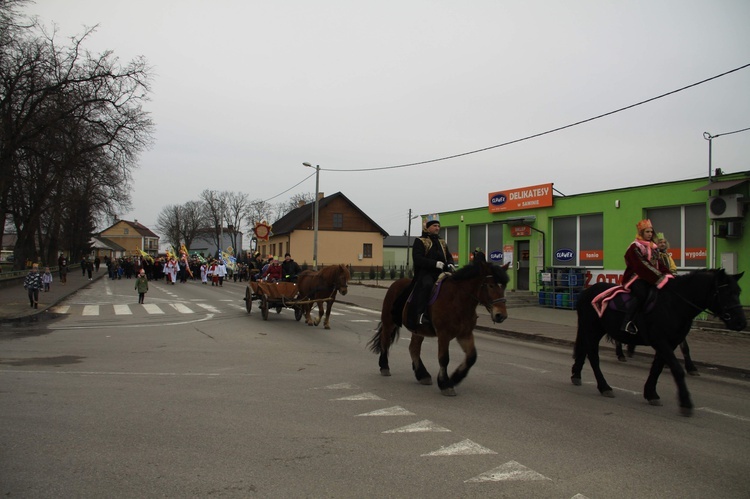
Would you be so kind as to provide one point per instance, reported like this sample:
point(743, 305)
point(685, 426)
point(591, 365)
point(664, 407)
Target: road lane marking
point(123, 326)
point(361, 396)
point(463, 448)
point(121, 309)
point(183, 309)
point(510, 471)
point(90, 310)
point(390, 411)
point(152, 308)
point(208, 307)
point(422, 426)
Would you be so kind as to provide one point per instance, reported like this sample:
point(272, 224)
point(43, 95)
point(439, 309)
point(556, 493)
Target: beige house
point(345, 235)
point(132, 237)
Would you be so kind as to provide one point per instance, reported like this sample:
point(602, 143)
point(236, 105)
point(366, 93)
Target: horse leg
point(415, 350)
point(381, 343)
point(307, 309)
point(665, 356)
point(470, 351)
point(444, 382)
point(327, 321)
point(320, 314)
point(689, 366)
point(601, 383)
point(619, 352)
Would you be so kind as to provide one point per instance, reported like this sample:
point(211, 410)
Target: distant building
point(132, 237)
point(397, 251)
point(345, 235)
point(205, 242)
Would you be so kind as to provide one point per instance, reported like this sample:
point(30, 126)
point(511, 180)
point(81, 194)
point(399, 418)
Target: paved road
point(213, 402)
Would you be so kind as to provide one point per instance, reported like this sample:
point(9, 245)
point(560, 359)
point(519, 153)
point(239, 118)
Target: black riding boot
point(628, 322)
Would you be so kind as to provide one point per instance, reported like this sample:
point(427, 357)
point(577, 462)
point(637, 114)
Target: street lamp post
point(315, 215)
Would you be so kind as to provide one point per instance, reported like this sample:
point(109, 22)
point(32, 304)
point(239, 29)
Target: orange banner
point(536, 196)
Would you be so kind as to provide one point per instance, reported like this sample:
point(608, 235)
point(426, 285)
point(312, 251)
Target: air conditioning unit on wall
point(725, 206)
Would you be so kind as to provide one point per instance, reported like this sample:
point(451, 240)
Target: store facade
point(543, 234)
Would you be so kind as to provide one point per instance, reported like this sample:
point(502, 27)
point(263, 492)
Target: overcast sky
point(246, 91)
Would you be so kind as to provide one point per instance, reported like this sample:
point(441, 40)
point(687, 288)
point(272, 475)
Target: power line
point(544, 133)
point(292, 187)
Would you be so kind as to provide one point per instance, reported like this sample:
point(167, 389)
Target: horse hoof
point(385, 372)
point(609, 394)
point(694, 373)
point(448, 392)
point(425, 381)
point(655, 402)
point(326, 327)
point(686, 411)
point(575, 381)
point(622, 358)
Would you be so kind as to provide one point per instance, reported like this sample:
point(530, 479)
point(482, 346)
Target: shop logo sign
point(496, 256)
point(498, 199)
point(564, 255)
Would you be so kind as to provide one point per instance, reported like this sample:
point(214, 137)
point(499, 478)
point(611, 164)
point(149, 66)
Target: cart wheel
point(248, 300)
point(264, 307)
point(297, 313)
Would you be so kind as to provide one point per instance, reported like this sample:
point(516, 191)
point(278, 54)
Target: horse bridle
point(723, 312)
point(493, 302)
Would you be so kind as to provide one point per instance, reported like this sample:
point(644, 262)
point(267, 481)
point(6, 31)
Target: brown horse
point(322, 286)
point(453, 313)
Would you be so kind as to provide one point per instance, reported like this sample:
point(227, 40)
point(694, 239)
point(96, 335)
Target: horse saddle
point(406, 297)
point(619, 299)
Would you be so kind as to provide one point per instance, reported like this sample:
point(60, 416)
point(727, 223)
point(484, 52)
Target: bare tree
point(71, 127)
point(168, 223)
point(193, 220)
point(214, 210)
point(237, 204)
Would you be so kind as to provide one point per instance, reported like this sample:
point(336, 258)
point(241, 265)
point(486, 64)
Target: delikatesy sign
point(536, 196)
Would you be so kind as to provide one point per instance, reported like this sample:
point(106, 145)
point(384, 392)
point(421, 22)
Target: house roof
point(141, 229)
point(398, 241)
point(292, 220)
point(104, 243)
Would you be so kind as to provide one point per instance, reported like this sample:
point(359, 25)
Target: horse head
point(726, 300)
point(342, 279)
point(492, 291)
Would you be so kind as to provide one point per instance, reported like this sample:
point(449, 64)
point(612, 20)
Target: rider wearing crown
point(431, 257)
point(644, 270)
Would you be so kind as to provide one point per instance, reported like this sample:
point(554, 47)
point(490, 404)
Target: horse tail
point(376, 345)
point(587, 320)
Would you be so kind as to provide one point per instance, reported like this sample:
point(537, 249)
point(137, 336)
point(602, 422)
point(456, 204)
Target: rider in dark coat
point(431, 257)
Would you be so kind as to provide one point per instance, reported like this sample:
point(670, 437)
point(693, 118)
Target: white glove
point(451, 267)
point(440, 265)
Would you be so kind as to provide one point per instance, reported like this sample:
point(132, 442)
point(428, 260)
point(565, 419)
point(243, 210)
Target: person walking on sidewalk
point(32, 284)
point(47, 279)
point(141, 285)
point(431, 257)
point(62, 262)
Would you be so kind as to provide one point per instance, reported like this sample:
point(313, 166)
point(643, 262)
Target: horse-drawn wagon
point(276, 295)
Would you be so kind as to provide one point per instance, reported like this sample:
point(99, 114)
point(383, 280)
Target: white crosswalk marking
point(123, 310)
point(152, 308)
point(183, 309)
point(208, 307)
point(90, 310)
point(62, 309)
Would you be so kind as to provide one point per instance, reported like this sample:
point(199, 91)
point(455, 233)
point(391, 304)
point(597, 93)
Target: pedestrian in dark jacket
point(141, 285)
point(33, 283)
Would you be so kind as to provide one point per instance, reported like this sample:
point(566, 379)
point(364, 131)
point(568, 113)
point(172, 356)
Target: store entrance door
point(523, 265)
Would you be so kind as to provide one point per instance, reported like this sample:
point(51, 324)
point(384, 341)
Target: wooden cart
point(276, 295)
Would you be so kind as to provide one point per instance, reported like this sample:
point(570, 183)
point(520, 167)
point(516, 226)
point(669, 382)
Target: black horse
point(663, 327)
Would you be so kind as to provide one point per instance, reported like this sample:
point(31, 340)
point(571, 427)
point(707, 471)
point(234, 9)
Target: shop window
point(684, 228)
point(578, 241)
point(367, 250)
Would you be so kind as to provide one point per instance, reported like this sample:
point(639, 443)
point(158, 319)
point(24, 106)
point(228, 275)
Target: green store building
point(557, 244)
